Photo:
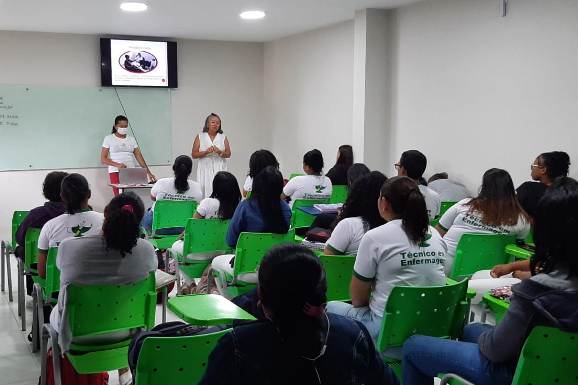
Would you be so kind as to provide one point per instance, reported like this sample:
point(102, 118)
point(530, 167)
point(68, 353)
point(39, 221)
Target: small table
point(497, 306)
point(141, 190)
point(518, 252)
point(162, 281)
point(207, 309)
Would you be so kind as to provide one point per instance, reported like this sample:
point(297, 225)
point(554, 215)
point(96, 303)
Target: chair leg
point(56, 355)
point(22, 290)
point(44, 335)
point(165, 298)
point(37, 317)
point(19, 269)
point(3, 267)
point(9, 275)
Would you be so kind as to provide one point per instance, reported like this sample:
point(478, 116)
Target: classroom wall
point(309, 94)
point(474, 90)
point(221, 77)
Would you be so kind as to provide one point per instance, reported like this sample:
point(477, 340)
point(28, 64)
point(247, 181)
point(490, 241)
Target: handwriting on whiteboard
point(7, 118)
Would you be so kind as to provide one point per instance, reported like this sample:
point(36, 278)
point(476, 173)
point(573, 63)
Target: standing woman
point(211, 148)
point(120, 151)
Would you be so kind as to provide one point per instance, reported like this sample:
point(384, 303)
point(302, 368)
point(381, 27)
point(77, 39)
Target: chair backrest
point(549, 357)
point(52, 282)
point(445, 206)
point(300, 218)
point(437, 311)
point(339, 194)
point(175, 360)
point(293, 175)
point(17, 218)
point(170, 214)
point(338, 270)
point(31, 247)
point(206, 236)
point(102, 309)
point(477, 252)
point(252, 247)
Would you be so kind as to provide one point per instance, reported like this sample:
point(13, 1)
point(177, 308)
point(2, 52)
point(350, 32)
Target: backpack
point(167, 329)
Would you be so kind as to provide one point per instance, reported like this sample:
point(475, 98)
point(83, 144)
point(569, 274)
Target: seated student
point(487, 355)
point(545, 169)
point(449, 190)
point(387, 254)
point(258, 161)
point(412, 164)
point(338, 173)
point(298, 342)
point(78, 221)
point(359, 215)
point(494, 211)
point(38, 216)
point(314, 185)
point(263, 212)
point(177, 188)
point(222, 203)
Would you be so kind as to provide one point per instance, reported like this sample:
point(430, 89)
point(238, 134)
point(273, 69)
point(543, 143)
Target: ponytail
point(74, 191)
point(182, 168)
point(408, 203)
point(122, 217)
point(117, 120)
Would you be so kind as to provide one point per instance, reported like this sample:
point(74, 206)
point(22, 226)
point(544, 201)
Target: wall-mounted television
point(138, 63)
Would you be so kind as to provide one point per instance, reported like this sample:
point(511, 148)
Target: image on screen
point(139, 63)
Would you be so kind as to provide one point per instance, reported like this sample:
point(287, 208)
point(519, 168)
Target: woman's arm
point(142, 163)
point(360, 291)
point(42, 263)
point(197, 153)
point(198, 216)
point(105, 159)
point(226, 153)
point(441, 230)
point(331, 251)
point(514, 267)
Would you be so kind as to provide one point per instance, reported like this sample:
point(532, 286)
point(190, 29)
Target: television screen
point(138, 63)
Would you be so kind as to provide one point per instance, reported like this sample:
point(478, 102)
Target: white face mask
point(122, 130)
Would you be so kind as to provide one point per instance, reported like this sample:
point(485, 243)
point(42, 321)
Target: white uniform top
point(120, 150)
point(433, 201)
point(212, 163)
point(308, 187)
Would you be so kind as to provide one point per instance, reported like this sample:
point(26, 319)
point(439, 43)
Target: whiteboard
point(63, 127)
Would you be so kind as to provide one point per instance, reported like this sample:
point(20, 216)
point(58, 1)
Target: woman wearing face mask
point(120, 151)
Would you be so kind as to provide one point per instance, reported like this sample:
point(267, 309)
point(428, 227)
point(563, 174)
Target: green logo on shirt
point(319, 189)
point(424, 243)
point(79, 231)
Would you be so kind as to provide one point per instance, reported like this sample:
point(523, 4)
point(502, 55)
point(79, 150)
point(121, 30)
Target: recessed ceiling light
point(252, 15)
point(133, 6)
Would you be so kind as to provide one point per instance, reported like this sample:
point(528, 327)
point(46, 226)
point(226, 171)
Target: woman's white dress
point(210, 164)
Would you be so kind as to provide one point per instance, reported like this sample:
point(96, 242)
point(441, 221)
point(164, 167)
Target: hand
point(120, 165)
point(500, 270)
point(219, 152)
point(520, 274)
point(151, 176)
point(209, 150)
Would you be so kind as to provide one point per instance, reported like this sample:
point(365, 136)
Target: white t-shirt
point(164, 190)
point(347, 235)
point(432, 201)
point(69, 226)
point(387, 256)
point(209, 208)
point(248, 185)
point(458, 220)
point(120, 150)
point(308, 187)
point(449, 190)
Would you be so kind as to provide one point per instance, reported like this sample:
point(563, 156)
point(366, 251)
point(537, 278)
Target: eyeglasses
point(397, 166)
point(536, 165)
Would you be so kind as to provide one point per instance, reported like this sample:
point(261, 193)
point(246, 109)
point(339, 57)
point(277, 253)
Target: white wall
point(474, 90)
point(309, 94)
point(221, 77)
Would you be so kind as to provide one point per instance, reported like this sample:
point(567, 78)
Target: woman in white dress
point(211, 148)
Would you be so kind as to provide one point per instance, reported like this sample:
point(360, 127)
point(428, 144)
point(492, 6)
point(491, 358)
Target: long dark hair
point(556, 163)
point(206, 126)
point(355, 172)
point(52, 184)
point(314, 159)
point(345, 157)
point(292, 289)
point(556, 228)
point(121, 227)
point(267, 189)
point(497, 202)
point(117, 120)
point(226, 191)
point(361, 201)
point(261, 159)
point(408, 203)
point(182, 169)
point(74, 191)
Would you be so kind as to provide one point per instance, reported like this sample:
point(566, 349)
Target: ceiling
point(194, 19)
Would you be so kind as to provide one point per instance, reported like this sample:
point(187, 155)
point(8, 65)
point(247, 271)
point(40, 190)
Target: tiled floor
point(18, 365)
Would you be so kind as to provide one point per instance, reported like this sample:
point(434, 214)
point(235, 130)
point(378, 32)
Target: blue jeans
point(426, 357)
point(362, 314)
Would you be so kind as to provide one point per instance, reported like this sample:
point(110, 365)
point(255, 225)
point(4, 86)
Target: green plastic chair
point(98, 310)
point(204, 239)
point(437, 311)
point(251, 248)
point(339, 194)
point(45, 293)
point(477, 252)
point(7, 248)
point(443, 208)
point(300, 218)
point(338, 270)
point(548, 357)
point(175, 360)
point(28, 267)
point(170, 215)
point(293, 175)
